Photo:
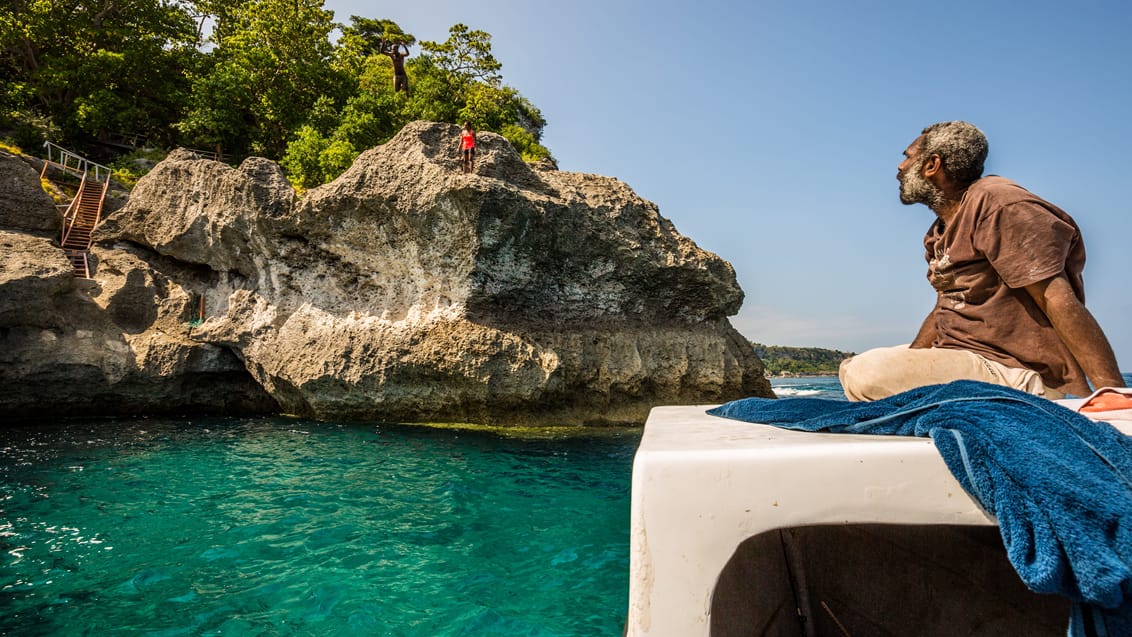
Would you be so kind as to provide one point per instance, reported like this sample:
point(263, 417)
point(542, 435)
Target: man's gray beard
point(915, 189)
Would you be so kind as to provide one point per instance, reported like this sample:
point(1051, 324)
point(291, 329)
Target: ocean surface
point(273, 526)
point(288, 527)
point(808, 387)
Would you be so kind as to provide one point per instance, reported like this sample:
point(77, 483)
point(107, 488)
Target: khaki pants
point(882, 372)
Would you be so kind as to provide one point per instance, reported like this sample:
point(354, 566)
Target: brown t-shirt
point(1002, 239)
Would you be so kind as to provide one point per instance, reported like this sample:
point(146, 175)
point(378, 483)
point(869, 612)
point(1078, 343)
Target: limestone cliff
point(116, 345)
point(404, 290)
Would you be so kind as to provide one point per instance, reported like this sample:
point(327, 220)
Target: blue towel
point(1059, 484)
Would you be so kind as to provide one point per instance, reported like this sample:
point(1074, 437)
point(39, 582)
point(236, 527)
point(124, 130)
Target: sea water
point(288, 527)
point(808, 387)
point(275, 526)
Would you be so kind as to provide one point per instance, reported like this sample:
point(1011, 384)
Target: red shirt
point(467, 139)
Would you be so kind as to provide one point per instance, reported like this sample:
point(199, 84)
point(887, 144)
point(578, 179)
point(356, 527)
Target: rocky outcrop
point(24, 206)
point(117, 345)
point(404, 290)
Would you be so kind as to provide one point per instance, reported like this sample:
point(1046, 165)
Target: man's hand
point(925, 338)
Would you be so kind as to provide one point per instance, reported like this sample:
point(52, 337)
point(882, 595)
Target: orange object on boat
point(1108, 399)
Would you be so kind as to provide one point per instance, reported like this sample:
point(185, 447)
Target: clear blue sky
point(770, 132)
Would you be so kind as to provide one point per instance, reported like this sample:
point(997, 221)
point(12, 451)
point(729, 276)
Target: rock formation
point(116, 345)
point(404, 290)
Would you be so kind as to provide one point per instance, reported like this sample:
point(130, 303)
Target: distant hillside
point(799, 361)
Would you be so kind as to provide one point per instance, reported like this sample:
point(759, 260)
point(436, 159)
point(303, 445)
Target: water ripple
point(281, 527)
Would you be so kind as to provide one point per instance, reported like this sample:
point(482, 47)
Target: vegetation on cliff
point(275, 78)
point(799, 361)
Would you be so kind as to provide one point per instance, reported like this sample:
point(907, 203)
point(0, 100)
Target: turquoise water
point(808, 387)
point(288, 527)
point(285, 527)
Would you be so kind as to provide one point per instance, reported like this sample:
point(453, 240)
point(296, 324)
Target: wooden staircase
point(85, 210)
point(79, 222)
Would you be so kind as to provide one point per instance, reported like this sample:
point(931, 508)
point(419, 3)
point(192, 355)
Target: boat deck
point(702, 486)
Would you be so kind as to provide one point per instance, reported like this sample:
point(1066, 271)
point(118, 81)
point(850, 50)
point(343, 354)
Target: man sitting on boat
point(1006, 266)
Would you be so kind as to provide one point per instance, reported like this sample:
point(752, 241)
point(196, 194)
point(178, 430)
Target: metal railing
point(214, 155)
point(76, 164)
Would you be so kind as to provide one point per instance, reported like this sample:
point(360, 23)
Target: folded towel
point(1058, 483)
point(1107, 403)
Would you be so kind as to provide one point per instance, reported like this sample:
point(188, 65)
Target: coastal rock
point(205, 212)
point(23, 203)
point(406, 290)
point(114, 346)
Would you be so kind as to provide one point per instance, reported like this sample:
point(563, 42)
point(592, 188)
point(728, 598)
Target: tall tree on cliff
point(270, 66)
point(453, 81)
point(462, 73)
point(338, 130)
point(97, 69)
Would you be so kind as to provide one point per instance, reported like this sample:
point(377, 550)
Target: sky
point(770, 132)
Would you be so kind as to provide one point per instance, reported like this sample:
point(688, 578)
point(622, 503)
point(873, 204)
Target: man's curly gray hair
point(961, 147)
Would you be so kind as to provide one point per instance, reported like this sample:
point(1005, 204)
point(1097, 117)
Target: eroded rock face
point(117, 345)
point(406, 290)
point(24, 206)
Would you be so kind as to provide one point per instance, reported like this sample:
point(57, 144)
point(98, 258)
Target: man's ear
point(932, 166)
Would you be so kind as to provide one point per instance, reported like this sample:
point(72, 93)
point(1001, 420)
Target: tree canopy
point(98, 69)
point(780, 360)
point(276, 78)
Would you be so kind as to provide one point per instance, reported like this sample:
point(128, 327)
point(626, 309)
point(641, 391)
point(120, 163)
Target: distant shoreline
point(806, 375)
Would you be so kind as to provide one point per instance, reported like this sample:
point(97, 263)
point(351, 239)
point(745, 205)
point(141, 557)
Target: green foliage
point(524, 142)
point(465, 55)
point(371, 33)
point(218, 114)
point(129, 168)
point(272, 65)
point(99, 68)
point(24, 130)
point(270, 80)
point(303, 161)
point(450, 82)
point(313, 159)
point(799, 361)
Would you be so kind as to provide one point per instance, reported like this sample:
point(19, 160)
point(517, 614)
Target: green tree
point(461, 74)
point(303, 158)
point(271, 64)
point(799, 360)
point(453, 81)
point(370, 115)
point(465, 55)
point(371, 33)
point(268, 80)
point(99, 69)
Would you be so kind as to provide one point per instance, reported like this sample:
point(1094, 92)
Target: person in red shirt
point(468, 147)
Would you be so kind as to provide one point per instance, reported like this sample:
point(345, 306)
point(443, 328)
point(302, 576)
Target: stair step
point(84, 213)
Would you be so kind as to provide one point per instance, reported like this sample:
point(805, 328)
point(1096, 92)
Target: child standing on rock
point(468, 147)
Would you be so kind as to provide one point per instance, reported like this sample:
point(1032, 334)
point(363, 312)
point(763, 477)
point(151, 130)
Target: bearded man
point(1006, 266)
